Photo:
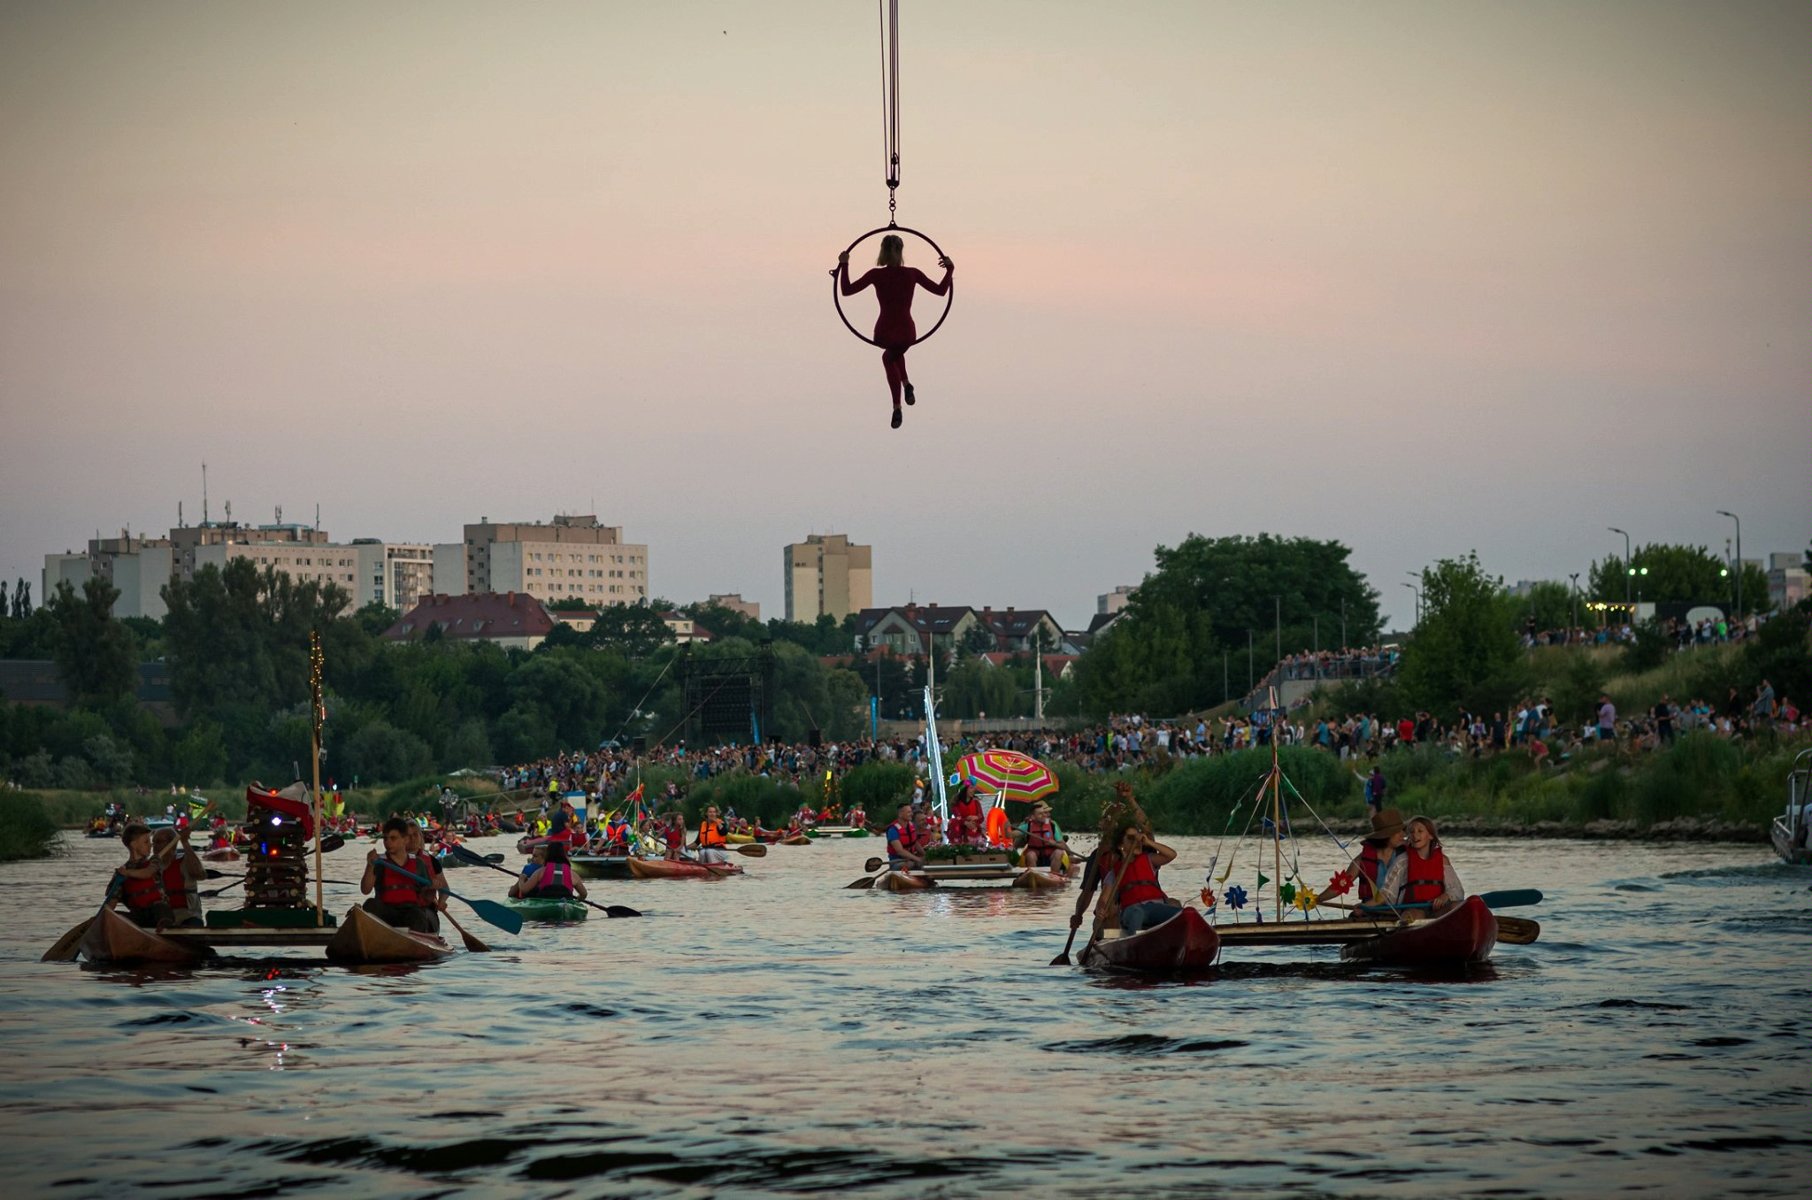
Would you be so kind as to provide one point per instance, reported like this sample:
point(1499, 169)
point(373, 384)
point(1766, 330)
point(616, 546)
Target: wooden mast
point(1276, 813)
point(316, 714)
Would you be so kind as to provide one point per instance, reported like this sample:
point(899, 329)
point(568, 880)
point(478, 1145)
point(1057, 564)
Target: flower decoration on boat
point(1341, 883)
point(1287, 893)
point(1306, 900)
point(1207, 897)
point(1235, 896)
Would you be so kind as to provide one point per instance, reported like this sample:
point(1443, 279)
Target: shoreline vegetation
point(26, 828)
point(1700, 788)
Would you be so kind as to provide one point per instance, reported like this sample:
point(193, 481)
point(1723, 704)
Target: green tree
point(974, 688)
point(1465, 652)
point(1550, 604)
point(96, 654)
point(239, 636)
point(1672, 574)
point(633, 629)
point(200, 758)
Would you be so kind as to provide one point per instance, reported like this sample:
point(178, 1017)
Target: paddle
point(1517, 931)
point(1509, 898)
point(472, 943)
point(874, 867)
point(609, 910)
point(1100, 925)
point(752, 849)
point(489, 911)
point(70, 944)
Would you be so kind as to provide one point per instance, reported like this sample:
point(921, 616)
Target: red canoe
point(661, 868)
point(1462, 935)
point(900, 881)
point(1184, 943)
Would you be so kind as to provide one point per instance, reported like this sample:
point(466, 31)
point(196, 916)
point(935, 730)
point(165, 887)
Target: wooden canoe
point(900, 881)
point(660, 868)
point(364, 938)
point(112, 938)
point(220, 854)
point(1038, 879)
point(1464, 934)
point(798, 839)
point(1184, 943)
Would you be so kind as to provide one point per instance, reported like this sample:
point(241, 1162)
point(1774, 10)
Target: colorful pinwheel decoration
point(1235, 897)
point(1306, 900)
point(1287, 893)
point(1341, 883)
point(1208, 898)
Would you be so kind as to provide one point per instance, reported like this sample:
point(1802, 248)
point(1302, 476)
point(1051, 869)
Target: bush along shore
point(26, 828)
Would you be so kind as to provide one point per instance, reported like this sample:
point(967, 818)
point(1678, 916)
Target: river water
point(777, 1034)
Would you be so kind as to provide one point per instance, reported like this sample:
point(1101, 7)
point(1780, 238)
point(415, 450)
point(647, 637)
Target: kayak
point(220, 854)
point(660, 868)
point(798, 839)
point(739, 839)
point(900, 881)
point(1465, 934)
point(601, 866)
point(549, 908)
point(1038, 879)
point(1184, 943)
point(112, 938)
point(848, 831)
point(364, 938)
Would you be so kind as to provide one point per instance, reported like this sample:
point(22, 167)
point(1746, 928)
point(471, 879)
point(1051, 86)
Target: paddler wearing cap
point(1376, 853)
point(1422, 874)
point(1042, 841)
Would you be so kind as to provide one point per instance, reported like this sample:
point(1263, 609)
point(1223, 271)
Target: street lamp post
point(1277, 617)
point(1573, 607)
point(1418, 591)
point(1250, 682)
point(1343, 622)
point(1739, 560)
point(1628, 568)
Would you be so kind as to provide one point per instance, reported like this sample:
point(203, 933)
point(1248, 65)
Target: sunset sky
point(1423, 277)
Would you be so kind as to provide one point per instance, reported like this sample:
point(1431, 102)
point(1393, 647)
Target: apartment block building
point(568, 558)
point(826, 574)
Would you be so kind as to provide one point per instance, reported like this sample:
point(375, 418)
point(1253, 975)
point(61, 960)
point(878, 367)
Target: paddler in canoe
point(551, 878)
point(141, 881)
point(904, 850)
point(673, 833)
point(1138, 901)
point(400, 900)
point(857, 817)
point(1376, 854)
point(1041, 842)
point(183, 876)
point(1422, 874)
point(712, 839)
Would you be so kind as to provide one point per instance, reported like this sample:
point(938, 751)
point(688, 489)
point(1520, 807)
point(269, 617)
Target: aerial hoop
point(837, 298)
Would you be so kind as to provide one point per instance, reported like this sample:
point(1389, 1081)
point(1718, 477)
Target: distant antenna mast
point(317, 516)
point(204, 493)
point(279, 514)
point(179, 514)
point(229, 511)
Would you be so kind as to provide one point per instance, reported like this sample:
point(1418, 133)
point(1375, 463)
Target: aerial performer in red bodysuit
point(894, 283)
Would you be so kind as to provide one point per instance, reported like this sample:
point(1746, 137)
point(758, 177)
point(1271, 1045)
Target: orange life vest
point(711, 833)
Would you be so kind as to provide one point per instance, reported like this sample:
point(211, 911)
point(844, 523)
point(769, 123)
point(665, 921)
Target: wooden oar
point(70, 944)
point(1063, 960)
point(472, 943)
point(1517, 931)
point(489, 911)
point(609, 910)
point(752, 849)
point(874, 867)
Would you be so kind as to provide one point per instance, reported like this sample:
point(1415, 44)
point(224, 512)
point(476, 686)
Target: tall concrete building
point(826, 574)
point(568, 558)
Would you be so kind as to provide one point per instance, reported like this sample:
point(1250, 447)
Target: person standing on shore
point(1374, 791)
point(1607, 719)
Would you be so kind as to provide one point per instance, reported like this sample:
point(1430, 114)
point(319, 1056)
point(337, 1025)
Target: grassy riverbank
point(26, 829)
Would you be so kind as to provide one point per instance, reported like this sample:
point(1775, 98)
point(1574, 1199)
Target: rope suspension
point(888, 12)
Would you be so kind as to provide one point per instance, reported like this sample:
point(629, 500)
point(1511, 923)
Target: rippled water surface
point(778, 1034)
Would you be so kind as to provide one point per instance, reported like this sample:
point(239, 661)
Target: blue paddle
point(1512, 898)
point(488, 911)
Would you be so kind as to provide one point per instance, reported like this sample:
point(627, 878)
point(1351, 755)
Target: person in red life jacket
point(711, 840)
point(904, 849)
point(895, 284)
point(964, 806)
point(929, 829)
point(1376, 853)
point(400, 900)
point(1423, 874)
point(183, 876)
point(969, 833)
point(614, 840)
point(1136, 901)
point(674, 834)
point(140, 886)
point(858, 818)
point(550, 879)
point(1042, 841)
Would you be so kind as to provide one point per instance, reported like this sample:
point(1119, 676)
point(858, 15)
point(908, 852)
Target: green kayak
point(549, 909)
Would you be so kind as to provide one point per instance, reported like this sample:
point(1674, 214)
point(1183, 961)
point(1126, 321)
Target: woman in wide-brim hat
point(1376, 853)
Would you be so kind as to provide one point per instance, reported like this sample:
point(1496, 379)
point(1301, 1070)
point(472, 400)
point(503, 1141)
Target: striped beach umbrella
point(1012, 774)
